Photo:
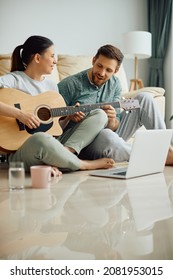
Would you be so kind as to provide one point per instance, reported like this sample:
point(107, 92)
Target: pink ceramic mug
point(41, 176)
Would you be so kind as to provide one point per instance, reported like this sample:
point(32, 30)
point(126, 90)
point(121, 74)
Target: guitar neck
point(70, 110)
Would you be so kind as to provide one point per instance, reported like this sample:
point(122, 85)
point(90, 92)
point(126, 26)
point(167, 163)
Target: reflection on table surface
point(83, 217)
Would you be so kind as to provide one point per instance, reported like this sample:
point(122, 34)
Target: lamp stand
point(136, 83)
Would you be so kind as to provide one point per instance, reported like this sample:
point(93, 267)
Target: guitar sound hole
point(44, 114)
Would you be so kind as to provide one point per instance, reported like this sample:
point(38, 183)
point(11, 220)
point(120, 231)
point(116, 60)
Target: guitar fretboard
point(70, 110)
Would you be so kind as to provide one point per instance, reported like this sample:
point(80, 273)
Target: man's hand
point(78, 116)
point(110, 111)
point(111, 114)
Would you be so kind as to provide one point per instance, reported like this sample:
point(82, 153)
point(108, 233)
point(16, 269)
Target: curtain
point(159, 23)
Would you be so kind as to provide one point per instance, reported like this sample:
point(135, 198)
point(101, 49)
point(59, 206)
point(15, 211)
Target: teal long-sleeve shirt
point(78, 88)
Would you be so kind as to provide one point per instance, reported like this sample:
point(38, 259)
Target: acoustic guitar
point(13, 133)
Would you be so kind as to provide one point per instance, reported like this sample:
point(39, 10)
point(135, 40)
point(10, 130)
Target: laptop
point(148, 155)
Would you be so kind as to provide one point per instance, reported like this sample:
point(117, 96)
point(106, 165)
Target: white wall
point(75, 26)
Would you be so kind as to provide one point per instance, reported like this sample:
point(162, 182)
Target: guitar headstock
point(129, 104)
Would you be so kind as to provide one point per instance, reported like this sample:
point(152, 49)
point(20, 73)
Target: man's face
point(103, 69)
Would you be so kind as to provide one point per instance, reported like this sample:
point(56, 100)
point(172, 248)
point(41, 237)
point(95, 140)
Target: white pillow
point(69, 65)
point(121, 74)
point(155, 91)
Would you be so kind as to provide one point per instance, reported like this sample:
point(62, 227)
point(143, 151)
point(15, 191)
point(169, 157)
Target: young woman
point(30, 63)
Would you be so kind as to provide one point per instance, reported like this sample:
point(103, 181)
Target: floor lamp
point(137, 45)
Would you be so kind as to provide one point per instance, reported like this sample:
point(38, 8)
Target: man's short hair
point(110, 51)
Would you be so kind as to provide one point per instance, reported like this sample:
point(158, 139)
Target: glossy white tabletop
point(84, 217)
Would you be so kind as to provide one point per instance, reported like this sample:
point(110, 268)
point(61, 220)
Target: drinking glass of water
point(16, 175)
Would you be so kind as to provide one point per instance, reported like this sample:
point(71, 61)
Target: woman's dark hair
point(23, 54)
point(112, 52)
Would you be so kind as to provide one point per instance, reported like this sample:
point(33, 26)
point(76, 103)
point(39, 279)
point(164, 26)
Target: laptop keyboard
point(120, 171)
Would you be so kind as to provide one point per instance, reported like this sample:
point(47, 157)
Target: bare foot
point(169, 160)
point(97, 164)
point(56, 172)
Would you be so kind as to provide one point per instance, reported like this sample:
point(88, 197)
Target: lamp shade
point(137, 44)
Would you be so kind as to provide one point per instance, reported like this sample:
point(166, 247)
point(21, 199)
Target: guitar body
point(14, 134)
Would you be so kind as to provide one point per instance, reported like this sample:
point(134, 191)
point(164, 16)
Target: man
point(99, 84)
